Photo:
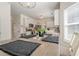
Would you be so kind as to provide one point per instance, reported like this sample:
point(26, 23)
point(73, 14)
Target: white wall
point(5, 21)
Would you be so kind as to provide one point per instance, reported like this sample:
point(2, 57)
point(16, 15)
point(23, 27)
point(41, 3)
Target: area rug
point(19, 48)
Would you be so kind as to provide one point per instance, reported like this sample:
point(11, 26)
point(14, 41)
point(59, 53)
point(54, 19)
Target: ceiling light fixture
point(28, 4)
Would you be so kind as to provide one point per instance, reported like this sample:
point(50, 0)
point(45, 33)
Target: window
point(71, 21)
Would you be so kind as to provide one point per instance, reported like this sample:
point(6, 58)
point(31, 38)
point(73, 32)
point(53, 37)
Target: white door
point(5, 21)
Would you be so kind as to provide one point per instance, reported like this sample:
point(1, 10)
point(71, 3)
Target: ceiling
point(42, 9)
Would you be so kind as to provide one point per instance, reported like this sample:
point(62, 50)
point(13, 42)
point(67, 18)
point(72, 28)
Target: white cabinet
point(56, 17)
point(5, 21)
point(25, 21)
